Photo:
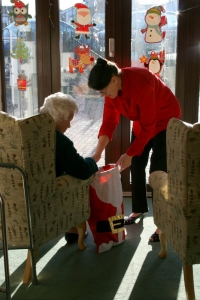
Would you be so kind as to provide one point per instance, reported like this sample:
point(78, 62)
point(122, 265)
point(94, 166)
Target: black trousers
point(158, 162)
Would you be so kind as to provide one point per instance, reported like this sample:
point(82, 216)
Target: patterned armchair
point(38, 206)
point(176, 197)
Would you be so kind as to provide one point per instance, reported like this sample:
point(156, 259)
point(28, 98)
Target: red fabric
point(101, 211)
point(144, 98)
point(106, 200)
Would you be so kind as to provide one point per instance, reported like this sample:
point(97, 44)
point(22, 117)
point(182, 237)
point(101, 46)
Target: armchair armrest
point(158, 180)
point(71, 182)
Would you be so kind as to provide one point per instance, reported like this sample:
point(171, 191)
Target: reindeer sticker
point(84, 59)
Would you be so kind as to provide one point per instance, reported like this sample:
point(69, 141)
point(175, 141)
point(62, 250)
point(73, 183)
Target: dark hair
point(101, 74)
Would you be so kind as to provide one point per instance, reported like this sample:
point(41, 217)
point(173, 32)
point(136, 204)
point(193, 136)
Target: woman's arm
point(124, 162)
point(102, 143)
point(68, 161)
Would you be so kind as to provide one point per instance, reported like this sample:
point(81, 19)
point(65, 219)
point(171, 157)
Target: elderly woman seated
point(62, 108)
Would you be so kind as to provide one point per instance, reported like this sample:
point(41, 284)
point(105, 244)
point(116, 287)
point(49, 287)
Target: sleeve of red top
point(147, 109)
point(110, 120)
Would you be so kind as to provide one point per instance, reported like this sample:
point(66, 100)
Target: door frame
point(118, 20)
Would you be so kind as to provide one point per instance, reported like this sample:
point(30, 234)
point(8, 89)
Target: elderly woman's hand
point(124, 162)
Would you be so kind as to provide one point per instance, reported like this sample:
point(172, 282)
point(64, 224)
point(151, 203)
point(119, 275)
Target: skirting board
point(129, 194)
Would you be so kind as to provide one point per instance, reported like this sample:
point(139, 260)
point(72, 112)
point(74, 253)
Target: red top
point(145, 99)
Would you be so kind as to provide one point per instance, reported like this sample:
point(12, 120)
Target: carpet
point(130, 271)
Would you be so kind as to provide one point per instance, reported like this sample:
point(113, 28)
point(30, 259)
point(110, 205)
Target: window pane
point(140, 47)
point(19, 42)
point(78, 52)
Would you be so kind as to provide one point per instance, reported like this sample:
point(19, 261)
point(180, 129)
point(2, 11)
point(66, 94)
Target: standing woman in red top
point(143, 98)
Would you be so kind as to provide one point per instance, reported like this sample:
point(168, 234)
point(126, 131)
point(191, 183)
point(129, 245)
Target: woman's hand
point(124, 162)
point(102, 143)
point(96, 156)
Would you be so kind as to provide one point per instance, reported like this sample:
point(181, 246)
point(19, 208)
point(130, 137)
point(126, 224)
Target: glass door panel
point(79, 48)
point(19, 44)
point(163, 52)
point(141, 50)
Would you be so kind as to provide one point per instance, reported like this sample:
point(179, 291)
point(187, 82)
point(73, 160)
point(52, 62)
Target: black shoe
point(131, 220)
point(72, 237)
point(154, 237)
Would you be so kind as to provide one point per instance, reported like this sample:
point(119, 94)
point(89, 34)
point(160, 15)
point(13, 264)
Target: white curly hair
point(59, 106)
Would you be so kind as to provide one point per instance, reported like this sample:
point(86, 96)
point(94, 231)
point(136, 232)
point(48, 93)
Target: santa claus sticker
point(83, 20)
point(154, 21)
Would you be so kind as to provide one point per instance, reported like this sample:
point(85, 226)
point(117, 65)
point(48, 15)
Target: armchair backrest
point(37, 135)
point(30, 144)
point(183, 163)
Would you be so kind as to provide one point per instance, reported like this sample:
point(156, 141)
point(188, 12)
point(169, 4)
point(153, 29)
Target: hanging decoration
point(20, 51)
point(50, 5)
point(154, 21)
point(155, 62)
point(22, 82)
point(19, 13)
point(83, 17)
point(84, 59)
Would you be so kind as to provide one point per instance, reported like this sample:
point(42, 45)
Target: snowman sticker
point(154, 21)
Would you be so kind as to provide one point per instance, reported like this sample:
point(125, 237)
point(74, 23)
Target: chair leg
point(5, 249)
point(189, 282)
point(81, 234)
point(163, 243)
point(28, 273)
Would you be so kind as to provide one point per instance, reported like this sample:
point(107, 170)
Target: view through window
point(78, 53)
point(19, 43)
